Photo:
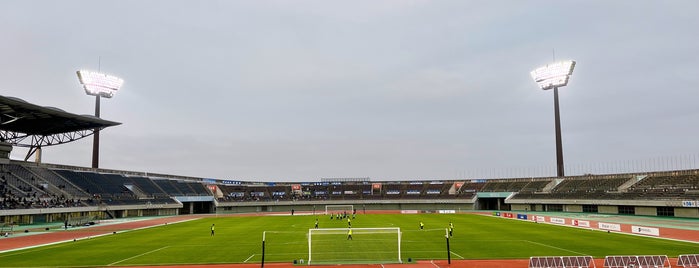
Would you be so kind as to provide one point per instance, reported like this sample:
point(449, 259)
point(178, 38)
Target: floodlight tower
point(98, 85)
point(553, 76)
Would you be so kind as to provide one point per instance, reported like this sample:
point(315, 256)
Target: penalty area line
point(139, 255)
point(550, 246)
point(246, 260)
point(457, 255)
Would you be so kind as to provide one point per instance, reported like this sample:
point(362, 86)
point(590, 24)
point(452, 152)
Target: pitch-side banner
point(557, 220)
point(507, 215)
point(580, 223)
point(645, 230)
point(609, 226)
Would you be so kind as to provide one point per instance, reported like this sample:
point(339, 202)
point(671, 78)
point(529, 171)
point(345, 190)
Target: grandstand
point(29, 188)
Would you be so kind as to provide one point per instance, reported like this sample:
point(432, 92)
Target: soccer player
point(316, 223)
point(349, 223)
point(212, 229)
point(349, 234)
point(451, 229)
point(422, 225)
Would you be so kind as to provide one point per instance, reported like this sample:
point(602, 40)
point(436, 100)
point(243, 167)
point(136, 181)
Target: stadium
point(646, 219)
point(352, 134)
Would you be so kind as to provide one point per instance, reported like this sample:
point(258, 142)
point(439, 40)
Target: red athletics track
point(62, 236)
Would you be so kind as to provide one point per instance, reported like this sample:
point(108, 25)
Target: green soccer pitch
point(239, 240)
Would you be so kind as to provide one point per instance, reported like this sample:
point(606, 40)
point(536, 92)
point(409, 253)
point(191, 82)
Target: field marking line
point(550, 246)
point(457, 255)
point(246, 260)
point(139, 255)
point(435, 265)
point(93, 236)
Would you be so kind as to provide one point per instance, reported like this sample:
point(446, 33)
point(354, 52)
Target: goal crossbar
point(345, 208)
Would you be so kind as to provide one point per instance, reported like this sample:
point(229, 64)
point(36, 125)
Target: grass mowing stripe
point(139, 255)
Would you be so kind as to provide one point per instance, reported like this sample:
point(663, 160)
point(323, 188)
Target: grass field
point(238, 240)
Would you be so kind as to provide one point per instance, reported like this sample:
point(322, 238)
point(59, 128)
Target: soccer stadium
point(351, 134)
point(69, 216)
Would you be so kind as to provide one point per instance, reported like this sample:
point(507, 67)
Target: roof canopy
point(34, 126)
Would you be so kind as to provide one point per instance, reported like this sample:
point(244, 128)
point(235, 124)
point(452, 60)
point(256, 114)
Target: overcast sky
point(391, 90)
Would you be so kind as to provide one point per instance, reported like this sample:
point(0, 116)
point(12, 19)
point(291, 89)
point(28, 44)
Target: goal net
point(338, 209)
point(367, 245)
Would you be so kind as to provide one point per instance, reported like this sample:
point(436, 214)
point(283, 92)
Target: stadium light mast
point(98, 85)
point(553, 76)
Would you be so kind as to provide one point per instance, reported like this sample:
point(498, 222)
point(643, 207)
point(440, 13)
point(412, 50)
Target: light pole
point(553, 76)
point(98, 85)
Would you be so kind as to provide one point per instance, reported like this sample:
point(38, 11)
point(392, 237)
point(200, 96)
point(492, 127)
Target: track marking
point(457, 255)
point(139, 255)
point(435, 265)
point(246, 260)
point(550, 246)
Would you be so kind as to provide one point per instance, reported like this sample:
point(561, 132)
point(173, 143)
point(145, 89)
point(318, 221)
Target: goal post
point(366, 246)
point(336, 209)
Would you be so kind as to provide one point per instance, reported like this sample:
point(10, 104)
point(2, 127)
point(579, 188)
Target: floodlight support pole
point(559, 143)
point(96, 139)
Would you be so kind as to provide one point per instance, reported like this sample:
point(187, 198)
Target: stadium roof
point(30, 125)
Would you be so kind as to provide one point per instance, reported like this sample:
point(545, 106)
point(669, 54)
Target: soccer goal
point(338, 209)
point(367, 245)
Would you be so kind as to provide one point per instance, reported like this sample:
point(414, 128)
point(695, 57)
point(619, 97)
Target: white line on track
point(435, 265)
point(246, 260)
point(139, 255)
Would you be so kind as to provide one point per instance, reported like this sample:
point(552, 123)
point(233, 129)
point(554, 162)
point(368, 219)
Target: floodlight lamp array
point(554, 74)
point(99, 84)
